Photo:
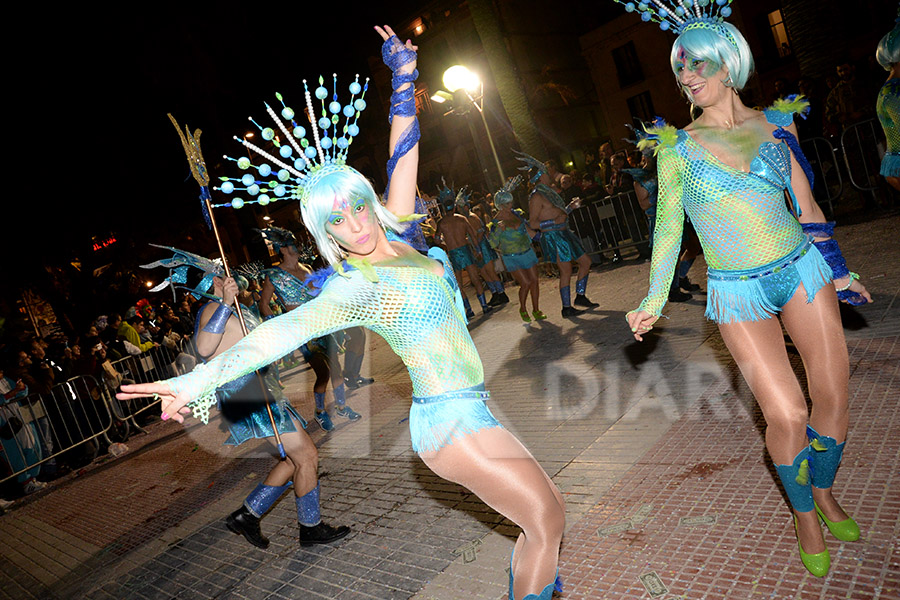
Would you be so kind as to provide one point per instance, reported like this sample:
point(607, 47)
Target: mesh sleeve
point(336, 308)
point(669, 228)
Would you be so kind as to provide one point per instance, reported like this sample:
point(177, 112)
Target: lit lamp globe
point(459, 77)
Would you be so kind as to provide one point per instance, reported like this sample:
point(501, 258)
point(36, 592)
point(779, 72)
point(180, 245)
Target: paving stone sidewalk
point(637, 436)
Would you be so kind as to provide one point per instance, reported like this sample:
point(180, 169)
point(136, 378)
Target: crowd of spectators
point(33, 423)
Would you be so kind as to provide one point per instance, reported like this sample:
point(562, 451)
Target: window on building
point(641, 107)
point(628, 67)
point(423, 99)
point(779, 33)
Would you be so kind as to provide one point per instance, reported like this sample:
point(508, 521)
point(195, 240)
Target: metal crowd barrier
point(82, 410)
point(73, 413)
point(829, 183)
point(610, 223)
point(861, 156)
point(153, 365)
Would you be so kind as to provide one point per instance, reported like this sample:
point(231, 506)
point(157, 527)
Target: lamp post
point(461, 83)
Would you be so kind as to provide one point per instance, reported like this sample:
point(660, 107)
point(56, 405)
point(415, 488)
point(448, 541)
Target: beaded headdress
point(301, 164)
point(504, 194)
point(531, 163)
point(680, 16)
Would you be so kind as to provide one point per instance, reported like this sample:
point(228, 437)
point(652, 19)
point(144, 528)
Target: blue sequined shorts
point(760, 293)
point(461, 258)
point(435, 421)
point(487, 253)
point(520, 260)
point(244, 408)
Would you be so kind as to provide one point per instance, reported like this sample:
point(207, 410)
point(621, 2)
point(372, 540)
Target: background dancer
point(549, 215)
point(510, 234)
point(763, 262)
point(287, 282)
point(888, 104)
point(412, 301)
point(485, 258)
point(457, 235)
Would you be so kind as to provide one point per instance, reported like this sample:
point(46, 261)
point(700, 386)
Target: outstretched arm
point(336, 308)
point(403, 145)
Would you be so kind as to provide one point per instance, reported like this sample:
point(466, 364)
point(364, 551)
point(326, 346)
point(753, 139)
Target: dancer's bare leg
point(759, 351)
point(818, 334)
point(497, 468)
point(301, 463)
point(534, 285)
point(524, 287)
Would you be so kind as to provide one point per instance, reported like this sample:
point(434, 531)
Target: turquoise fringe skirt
point(761, 293)
point(890, 164)
point(250, 418)
point(435, 421)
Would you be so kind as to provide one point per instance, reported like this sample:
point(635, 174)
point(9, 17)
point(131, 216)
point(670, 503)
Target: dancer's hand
point(862, 294)
point(387, 33)
point(171, 405)
point(640, 322)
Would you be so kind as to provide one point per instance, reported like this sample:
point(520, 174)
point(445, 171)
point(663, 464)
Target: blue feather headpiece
point(301, 163)
point(178, 267)
point(531, 163)
point(446, 195)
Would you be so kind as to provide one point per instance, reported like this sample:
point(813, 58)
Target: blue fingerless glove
point(831, 252)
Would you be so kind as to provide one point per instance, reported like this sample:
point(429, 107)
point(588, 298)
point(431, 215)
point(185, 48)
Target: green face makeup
point(703, 68)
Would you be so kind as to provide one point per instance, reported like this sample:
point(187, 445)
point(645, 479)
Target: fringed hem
point(437, 424)
point(735, 300)
point(258, 425)
point(890, 165)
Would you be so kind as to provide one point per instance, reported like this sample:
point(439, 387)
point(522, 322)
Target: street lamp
point(462, 83)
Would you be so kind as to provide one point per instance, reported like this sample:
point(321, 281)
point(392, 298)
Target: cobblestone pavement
point(657, 448)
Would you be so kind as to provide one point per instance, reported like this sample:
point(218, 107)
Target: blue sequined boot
point(796, 481)
point(824, 458)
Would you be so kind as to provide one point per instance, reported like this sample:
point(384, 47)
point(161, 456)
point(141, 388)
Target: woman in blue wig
point(888, 104)
point(378, 281)
point(740, 176)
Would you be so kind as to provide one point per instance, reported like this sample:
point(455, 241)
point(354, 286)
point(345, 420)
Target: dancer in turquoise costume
point(459, 238)
point(510, 234)
point(243, 403)
point(732, 170)
point(379, 282)
point(487, 256)
point(888, 104)
point(549, 215)
point(287, 281)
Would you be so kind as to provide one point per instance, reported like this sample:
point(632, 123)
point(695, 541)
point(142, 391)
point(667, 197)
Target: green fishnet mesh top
point(741, 218)
point(413, 309)
point(888, 108)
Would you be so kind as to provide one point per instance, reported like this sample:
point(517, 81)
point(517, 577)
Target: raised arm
point(403, 144)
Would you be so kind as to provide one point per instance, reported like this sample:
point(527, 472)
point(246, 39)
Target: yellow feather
point(818, 446)
point(659, 138)
point(795, 106)
point(803, 473)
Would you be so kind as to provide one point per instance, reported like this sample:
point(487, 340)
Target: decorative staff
point(191, 145)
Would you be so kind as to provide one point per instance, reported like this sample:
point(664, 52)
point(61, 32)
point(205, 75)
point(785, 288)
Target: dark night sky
point(93, 110)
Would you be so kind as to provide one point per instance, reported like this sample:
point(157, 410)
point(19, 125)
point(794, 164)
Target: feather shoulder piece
point(657, 136)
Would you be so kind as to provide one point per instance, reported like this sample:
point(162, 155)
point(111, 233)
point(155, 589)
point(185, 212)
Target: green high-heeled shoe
point(524, 315)
point(817, 564)
point(538, 315)
point(846, 530)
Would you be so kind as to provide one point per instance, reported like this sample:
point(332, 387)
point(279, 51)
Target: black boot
point(688, 285)
point(244, 523)
point(677, 295)
point(321, 534)
point(582, 300)
point(569, 311)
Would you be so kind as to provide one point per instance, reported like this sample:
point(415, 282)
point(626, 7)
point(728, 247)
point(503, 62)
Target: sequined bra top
point(510, 240)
